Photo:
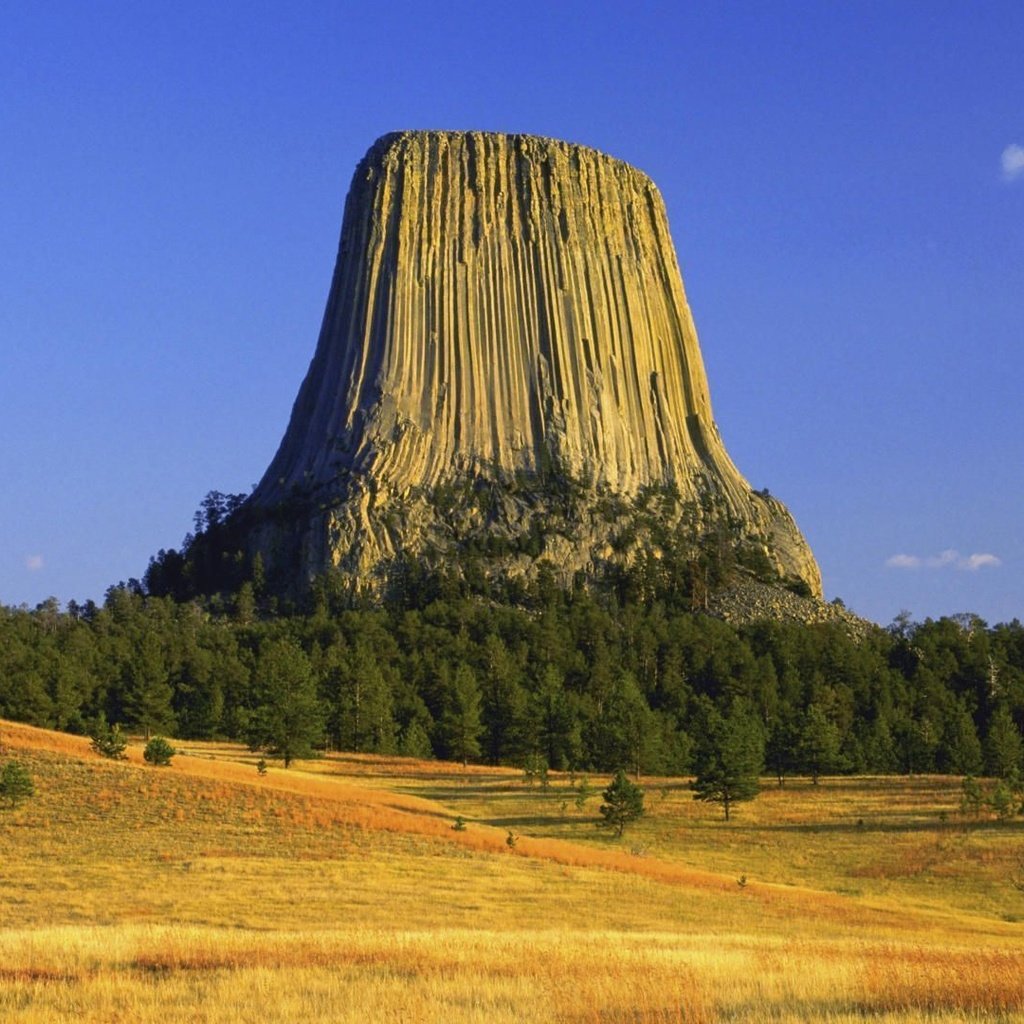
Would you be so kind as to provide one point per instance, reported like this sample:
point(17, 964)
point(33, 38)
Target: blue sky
point(844, 181)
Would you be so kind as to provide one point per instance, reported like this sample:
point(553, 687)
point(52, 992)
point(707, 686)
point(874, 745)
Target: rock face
point(507, 359)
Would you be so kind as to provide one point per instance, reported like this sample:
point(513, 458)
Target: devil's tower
point(507, 370)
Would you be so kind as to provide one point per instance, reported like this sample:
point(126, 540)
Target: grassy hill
point(339, 891)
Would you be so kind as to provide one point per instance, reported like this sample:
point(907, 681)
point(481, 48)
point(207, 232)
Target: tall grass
point(340, 892)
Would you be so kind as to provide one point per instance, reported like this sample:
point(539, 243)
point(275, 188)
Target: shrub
point(583, 793)
point(108, 740)
point(535, 769)
point(158, 752)
point(15, 783)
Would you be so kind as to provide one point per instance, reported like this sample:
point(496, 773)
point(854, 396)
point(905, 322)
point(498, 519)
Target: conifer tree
point(819, 744)
point(1003, 746)
point(730, 756)
point(16, 784)
point(462, 720)
point(623, 803)
point(288, 718)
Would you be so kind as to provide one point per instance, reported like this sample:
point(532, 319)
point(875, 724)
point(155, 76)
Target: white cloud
point(948, 559)
point(974, 562)
point(1013, 162)
point(903, 562)
point(34, 563)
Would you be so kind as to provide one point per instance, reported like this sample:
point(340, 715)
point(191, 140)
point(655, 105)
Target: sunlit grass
point(340, 891)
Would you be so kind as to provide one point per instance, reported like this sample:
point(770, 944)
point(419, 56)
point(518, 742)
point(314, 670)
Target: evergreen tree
point(782, 745)
point(729, 758)
point(158, 752)
point(16, 784)
point(288, 719)
point(108, 740)
point(415, 741)
point(362, 707)
point(820, 744)
point(504, 705)
point(961, 748)
point(147, 691)
point(1003, 746)
point(623, 803)
point(462, 721)
point(552, 722)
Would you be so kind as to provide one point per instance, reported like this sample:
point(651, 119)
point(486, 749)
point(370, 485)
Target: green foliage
point(462, 722)
point(158, 752)
point(415, 742)
point(16, 784)
point(623, 803)
point(288, 719)
point(584, 791)
point(819, 744)
point(962, 753)
point(535, 769)
point(591, 678)
point(1003, 802)
point(730, 757)
point(1004, 748)
point(108, 740)
point(971, 796)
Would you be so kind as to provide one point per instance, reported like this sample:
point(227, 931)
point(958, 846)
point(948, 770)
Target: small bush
point(158, 752)
point(108, 739)
point(535, 769)
point(15, 783)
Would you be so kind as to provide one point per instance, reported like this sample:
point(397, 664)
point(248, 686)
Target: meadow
point(339, 890)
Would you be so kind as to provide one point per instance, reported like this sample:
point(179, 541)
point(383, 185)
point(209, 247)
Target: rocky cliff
point(508, 363)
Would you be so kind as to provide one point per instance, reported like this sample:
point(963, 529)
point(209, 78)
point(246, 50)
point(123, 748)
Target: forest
point(571, 679)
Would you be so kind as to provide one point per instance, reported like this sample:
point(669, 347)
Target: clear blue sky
point(845, 184)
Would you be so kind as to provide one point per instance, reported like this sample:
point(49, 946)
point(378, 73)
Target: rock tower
point(507, 366)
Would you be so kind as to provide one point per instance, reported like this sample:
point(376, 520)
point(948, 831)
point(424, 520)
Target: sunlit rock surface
point(507, 353)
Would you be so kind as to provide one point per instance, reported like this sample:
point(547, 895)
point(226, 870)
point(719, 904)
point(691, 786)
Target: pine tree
point(288, 719)
point(623, 803)
point(15, 783)
point(148, 691)
point(961, 746)
point(730, 757)
point(1003, 746)
point(462, 719)
point(819, 744)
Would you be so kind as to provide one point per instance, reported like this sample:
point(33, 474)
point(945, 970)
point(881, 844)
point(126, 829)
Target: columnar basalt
point(507, 352)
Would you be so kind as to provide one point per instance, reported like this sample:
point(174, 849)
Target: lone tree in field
point(108, 740)
point(623, 803)
point(15, 784)
point(158, 752)
point(730, 757)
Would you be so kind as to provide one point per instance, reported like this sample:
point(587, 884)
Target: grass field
point(339, 891)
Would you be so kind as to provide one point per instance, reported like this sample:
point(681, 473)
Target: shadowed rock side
point(506, 347)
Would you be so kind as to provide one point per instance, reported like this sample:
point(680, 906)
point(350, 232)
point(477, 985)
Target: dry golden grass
point(339, 891)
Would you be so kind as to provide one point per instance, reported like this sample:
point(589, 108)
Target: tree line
point(575, 679)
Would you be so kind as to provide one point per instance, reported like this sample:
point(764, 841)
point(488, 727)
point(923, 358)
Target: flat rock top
point(521, 140)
